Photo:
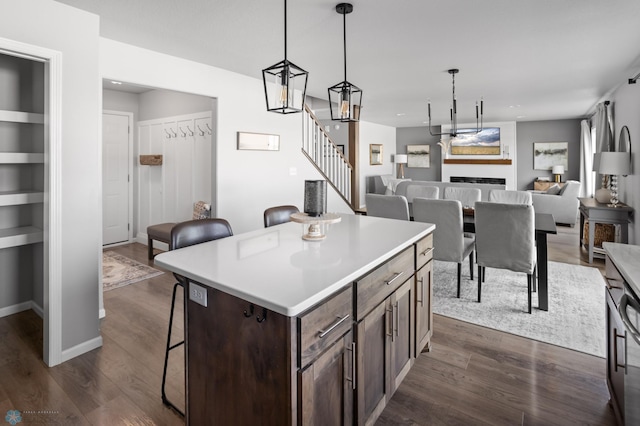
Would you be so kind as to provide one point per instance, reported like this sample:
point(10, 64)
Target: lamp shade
point(614, 163)
point(401, 158)
point(557, 169)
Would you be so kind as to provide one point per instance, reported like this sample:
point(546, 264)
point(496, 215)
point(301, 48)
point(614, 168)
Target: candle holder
point(315, 197)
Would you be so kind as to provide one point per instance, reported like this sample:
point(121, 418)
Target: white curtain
point(604, 133)
point(587, 176)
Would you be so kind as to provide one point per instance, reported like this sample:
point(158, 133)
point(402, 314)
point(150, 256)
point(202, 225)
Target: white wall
point(74, 33)
point(626, 103)
point(371, 133)
point(247, 182)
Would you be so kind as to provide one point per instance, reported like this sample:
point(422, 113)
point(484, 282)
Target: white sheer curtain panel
point(587, 175)
point(604, 135)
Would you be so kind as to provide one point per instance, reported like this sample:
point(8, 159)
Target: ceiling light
point(454, 110)
point(285, 83)
point(116, 82)
point(346, 96)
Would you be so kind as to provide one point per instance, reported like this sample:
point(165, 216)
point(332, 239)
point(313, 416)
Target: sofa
point(563, 204)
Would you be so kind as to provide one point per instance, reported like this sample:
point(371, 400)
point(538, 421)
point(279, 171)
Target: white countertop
point(626, 258)
point(276, 269)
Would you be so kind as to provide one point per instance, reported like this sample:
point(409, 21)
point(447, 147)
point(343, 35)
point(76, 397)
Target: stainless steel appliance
point(629, 310)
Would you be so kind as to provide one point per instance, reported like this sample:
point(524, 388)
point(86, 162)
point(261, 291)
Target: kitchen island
point(280, 330)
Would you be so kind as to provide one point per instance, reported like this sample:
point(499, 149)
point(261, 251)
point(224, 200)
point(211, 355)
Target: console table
point(594, 212)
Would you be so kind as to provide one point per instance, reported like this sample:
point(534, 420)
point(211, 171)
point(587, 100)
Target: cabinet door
point(424, 312)
point(326, 386)
point(372, 361)
point(616, 361)
point(402, 333)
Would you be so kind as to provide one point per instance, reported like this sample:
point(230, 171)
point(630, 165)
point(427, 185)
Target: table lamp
point(402, 160)
point(614, 164)
point(558, 170)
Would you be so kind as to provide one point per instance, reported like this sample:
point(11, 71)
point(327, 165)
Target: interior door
point(115, 178)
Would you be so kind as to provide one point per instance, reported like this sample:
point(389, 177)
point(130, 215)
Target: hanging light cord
point(285, 30)
point(344, 41)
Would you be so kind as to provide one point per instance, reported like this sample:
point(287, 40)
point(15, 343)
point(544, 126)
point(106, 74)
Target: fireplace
point(489, 180)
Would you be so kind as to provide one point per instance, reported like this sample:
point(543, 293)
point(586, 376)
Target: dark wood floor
point(473, 375)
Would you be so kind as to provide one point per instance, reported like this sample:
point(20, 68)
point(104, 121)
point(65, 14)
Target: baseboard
point(80, 349)
point(102, 314)
point(37, 309)
point(14, 309)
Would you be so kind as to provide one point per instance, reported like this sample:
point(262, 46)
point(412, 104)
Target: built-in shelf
point(21, 117)
point(498, 161)
point(13, 198)
point(21, 157)
point(14, 237)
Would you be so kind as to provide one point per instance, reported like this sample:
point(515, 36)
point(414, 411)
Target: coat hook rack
point(250, 313)
point(182, 132)
point(200, 130)
point(168, 134)
point(190, 131)
point(209, 127)
point(264, 316)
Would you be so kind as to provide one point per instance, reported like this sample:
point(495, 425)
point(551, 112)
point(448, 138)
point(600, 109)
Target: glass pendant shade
point(285, 85)
point(345, 100)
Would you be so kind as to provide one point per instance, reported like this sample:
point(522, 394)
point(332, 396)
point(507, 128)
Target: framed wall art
point(419, 156)
point(549, 154)
point(486, 142)
point(258, 141)
point(375, 154)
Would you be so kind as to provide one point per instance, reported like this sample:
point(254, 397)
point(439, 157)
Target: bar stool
point(186, 234)
point(278, 214)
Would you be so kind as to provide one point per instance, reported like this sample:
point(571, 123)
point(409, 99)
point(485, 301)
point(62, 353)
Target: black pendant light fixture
point(345, 99)
point(453, 131)
point(285, 83)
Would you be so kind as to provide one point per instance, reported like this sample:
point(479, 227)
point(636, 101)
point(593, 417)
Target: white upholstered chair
point(389, 206)
point(421, 191)
point(467, 196)
point(449, 242)
point(505, 239)
point(511, 197)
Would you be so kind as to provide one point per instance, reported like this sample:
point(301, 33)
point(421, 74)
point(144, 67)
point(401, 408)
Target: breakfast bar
point(280, 330)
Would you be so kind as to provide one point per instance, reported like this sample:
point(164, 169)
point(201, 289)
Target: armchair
point(564, 206)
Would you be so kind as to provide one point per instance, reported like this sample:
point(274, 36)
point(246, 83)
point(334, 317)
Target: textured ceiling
point(528, 59)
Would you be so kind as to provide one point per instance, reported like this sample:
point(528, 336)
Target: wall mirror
point(624, 141)
point(375, 154)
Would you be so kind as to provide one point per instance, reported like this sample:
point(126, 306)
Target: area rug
point(119, 270)
point(576, 316)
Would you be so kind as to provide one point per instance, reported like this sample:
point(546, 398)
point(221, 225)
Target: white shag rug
point(576, 316)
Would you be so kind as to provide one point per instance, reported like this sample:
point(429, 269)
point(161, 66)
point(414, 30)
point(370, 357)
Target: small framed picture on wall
point(419, 156)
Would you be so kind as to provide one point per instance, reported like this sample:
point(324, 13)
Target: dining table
point(544, 225)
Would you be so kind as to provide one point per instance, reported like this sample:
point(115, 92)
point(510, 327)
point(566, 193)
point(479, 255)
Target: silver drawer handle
point(396, 276)
point(333, 326)
point(424, 253)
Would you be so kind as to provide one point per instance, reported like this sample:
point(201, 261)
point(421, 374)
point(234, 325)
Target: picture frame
point(549, 154)
point(419, 156)
point(258, 141)
point(375, 154)
point(486, 142)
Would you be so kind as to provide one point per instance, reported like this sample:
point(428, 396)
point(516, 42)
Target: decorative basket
point(603, 232)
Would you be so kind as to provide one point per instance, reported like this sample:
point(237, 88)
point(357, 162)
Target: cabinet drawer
point(323, 325)
point(424, 251)
point(380, 283)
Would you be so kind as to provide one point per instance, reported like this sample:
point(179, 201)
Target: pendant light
point(454, 110)
point(285, 83)
point(345, 99)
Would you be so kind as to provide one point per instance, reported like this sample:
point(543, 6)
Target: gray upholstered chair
point(511, 197)
point(563, 206)
point(421, 191)
point(186, 234)
point(278, 214)
point(389, 206)
point(449, 242)
point(467, 196)
point(505, 239)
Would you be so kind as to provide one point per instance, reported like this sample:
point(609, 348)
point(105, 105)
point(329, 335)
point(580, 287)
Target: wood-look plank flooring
point(472, 376)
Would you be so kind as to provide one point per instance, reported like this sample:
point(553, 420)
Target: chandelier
point(453, 111)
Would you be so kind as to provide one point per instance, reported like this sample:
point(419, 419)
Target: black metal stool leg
point(165, 400)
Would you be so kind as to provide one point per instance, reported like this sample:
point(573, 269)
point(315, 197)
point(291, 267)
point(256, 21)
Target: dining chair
point(186, 234)
point(278, 214)
point(512, 197)
point(421, 191)
point(449, 242)
point(162, 231)
point(389, 206)
point(505, 239)
point(467, 196)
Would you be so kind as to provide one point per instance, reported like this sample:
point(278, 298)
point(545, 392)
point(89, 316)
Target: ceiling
point(528, 59)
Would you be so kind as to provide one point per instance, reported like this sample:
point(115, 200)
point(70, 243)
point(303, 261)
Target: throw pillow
point(554, 189)
point(562, 189)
